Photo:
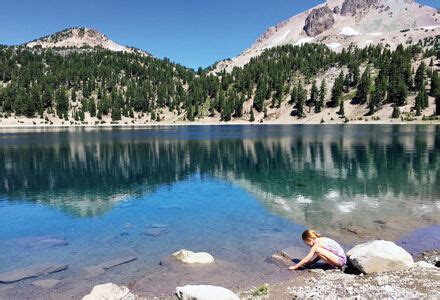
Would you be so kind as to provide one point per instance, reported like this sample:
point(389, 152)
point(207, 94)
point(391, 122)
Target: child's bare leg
point(328, 257)
point(313, 260)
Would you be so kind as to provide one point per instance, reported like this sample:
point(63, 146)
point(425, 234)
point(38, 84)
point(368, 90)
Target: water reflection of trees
point(300, 169)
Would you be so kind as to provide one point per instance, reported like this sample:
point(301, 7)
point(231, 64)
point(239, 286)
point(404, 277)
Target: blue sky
point(191, 32)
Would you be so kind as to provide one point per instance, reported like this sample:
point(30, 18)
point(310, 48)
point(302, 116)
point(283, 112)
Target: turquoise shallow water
point(200, 214)
point(238, 192)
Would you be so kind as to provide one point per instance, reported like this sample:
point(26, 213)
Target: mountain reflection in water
point(351, 179)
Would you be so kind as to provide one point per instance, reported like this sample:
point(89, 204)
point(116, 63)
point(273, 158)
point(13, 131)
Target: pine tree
point(337, 91)
point(301, 98)
point(314, 94)
point(226, 114)
point(356, 75)
point(397, 92)
point(105, 105)
point(377, 96)
point(294, 95)
point(92, 107)
point(260, 94)
point(437, 104)
point(62, 103)
point(81, 115)
point(321, 100)
point(238, 107)
point(364, 87)
point(212, 108)
point(421, 100)
point(396, 112)
point(73, 96)
point(32, 102)
point(252, 118)
point(418, 104)
point(435, 84)
point(279, 101)
point(116, 111)
point(341, 111)
point(189, 113)
point(419, 80)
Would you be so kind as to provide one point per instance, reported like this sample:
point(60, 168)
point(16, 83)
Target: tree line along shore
point(79, 85)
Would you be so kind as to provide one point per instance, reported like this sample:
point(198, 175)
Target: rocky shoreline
point(418, 280)
point(30, 124)
point(388, 272)
point(421, 281)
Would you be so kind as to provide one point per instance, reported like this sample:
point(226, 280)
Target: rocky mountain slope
point(341, 23)
point(80, 37)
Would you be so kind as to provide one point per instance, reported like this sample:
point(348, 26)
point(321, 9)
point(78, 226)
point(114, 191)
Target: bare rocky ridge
point(341, 23)
point(318, 21)
point(350, 7)
point(80, 38)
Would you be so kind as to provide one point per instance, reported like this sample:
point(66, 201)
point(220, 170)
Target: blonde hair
point(310, 235)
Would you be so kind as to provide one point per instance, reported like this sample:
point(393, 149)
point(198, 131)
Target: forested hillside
point(91, 86)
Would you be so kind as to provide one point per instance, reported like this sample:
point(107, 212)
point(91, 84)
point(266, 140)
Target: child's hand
point(293, 268)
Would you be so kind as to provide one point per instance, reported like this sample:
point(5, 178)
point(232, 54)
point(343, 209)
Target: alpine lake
point(84, 197)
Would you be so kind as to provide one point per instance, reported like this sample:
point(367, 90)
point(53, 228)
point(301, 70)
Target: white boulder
point(424, 265)
point(380, 256)
point(189, 257)
point(204, 292)
point(110, 291)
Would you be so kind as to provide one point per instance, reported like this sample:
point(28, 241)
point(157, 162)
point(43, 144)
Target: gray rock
point(318, 21)
point(93, 271)
point(437, 264)
point(110, 291)
point(204, 292)
point(424, 265)
point(351, 7)
point(31, 272)
point(189, 257)
point(284, 257)
point(97, 270)
point(336, 10)
point(46, 283)
point(116, 262)
point(40, 242)
point(380, 256)
point(156, 230)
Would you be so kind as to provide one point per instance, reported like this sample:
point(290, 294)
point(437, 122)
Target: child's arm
point(306, 259)
point(314, 261)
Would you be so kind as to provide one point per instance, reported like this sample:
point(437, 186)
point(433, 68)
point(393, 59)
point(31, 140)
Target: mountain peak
point(77, 37)
point(338, 24)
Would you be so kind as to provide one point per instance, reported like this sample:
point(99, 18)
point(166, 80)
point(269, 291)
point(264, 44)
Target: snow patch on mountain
point(283, 37)
point(304, 41)
point(429, 27)
point(349, 31)
point(334, 45)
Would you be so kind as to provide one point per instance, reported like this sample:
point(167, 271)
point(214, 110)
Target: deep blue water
point(237, 192)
